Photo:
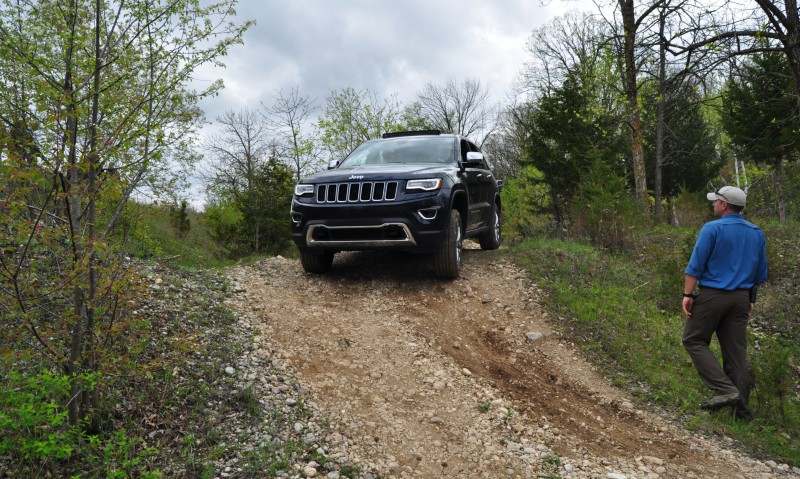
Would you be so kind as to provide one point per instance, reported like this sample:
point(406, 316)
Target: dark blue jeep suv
point(421, 191)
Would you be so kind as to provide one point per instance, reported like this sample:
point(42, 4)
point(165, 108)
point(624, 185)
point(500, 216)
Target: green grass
point(624, 312)
point(149, 232)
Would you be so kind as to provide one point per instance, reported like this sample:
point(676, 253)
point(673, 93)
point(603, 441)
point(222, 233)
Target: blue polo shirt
point(730, 253)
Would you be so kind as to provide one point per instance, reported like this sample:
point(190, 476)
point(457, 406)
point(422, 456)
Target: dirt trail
point(425, 378)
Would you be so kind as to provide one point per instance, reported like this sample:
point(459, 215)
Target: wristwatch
point(688, 295)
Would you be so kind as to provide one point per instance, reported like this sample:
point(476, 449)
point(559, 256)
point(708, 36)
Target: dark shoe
point(744, 416)
point(741, 411)
point(720, 401)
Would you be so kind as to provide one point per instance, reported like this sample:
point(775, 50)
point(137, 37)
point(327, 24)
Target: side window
point(464, 149)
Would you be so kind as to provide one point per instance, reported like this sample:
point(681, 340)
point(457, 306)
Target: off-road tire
point(490, 239)
point(316, 263)
point(447, 258)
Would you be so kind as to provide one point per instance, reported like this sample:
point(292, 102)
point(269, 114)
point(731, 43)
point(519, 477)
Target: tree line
point(258, 155)
point(663, 96)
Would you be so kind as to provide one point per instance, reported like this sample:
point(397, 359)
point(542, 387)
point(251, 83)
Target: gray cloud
point(388, 47)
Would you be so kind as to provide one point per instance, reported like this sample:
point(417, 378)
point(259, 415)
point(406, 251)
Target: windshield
point(402, 150)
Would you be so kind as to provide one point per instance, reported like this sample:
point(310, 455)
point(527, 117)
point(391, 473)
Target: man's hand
point(688, 302)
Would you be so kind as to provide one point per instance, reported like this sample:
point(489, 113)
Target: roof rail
point(396, 134)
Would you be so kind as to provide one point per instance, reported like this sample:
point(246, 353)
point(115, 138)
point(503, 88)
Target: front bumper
point(418, 224)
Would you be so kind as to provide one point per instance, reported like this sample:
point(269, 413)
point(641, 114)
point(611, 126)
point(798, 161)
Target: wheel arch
point(460, 202)
point(498, 200)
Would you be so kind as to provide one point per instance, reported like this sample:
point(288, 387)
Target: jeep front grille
point(365, 192)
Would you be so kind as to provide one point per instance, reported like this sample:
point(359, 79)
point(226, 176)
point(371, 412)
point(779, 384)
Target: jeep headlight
point(303, 189)
point(431, 184)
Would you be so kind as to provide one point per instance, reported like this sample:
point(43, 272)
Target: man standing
point(727, 265)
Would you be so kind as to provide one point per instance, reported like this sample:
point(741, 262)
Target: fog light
point(428, 213)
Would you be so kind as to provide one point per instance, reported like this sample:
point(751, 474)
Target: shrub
point(253, 220)
point(179, 218)
point(522, 197)
point(224, 220)
point(33, 419)
point(773, 379)
point(604, 210)
point(690, 209)
point(35, 432)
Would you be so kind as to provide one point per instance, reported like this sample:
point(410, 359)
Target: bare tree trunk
point(557, 214)
point(660, 120)
point(780, 201)
point(631, 94)
point(297, 160)
point(71, 366)
point(91, 397)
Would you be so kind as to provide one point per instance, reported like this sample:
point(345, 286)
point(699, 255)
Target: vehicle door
point(479, 185)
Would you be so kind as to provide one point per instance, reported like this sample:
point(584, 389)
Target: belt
point(726, 290)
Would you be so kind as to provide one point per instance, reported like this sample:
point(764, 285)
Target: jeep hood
point(397, 171)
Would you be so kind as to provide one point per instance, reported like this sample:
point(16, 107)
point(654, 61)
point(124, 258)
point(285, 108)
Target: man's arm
point(753, 296)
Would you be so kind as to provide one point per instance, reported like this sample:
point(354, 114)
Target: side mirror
point(474, 157)
point(500, 184)
point(333, 164)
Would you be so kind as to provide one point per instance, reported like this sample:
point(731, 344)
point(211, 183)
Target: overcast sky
point(387, 47)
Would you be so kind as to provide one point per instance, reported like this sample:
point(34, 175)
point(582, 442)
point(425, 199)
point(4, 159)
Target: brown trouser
point(725, 313)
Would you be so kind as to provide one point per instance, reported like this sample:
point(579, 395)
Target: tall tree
point(243, 143)
point(249, 189)
point(689, 140)
point(745, 29)
point(572, 44)
point(351, 117)
point(632, 26)
point(760, 114)
point(572, 116)
point(460, 108)
point(567, 133)
point(289, 117)
point(677, 78)
point(96, 97)
point(504, 146)
point(751, 28)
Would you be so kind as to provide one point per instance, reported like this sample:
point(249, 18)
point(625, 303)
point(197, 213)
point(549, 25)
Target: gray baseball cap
point(728, 194)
